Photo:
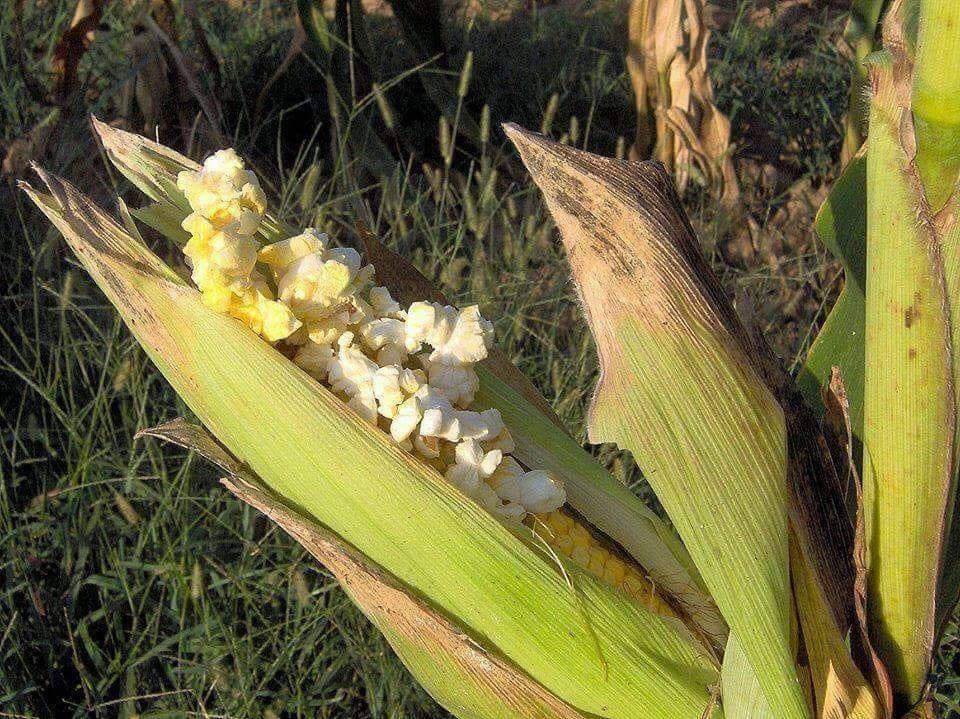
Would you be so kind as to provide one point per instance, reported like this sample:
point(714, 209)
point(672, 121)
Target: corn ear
point(909, 412)
point(678, 389)
point(541, 440)
point(586, 643)
point(840, 689)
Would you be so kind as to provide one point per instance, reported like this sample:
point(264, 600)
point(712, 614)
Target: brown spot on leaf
point(912, 313)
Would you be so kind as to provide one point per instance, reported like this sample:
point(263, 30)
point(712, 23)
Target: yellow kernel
point(598, 558)
point(614, 571)
point(581, 537)
point(580, 555)
point(559, 522)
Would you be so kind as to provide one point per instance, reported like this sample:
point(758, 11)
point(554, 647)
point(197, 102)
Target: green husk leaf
point(909, 412)
point(678, 389)
point(936, 99)
point(741, 692)
point(457, 668)
point(588, 644)
point(948, 592)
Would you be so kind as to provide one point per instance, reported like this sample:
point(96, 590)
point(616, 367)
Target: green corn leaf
point(909, 413)
point(541, 441)
point(678, 389)
point(841, 224)
point(586, 643)
point(860, 35)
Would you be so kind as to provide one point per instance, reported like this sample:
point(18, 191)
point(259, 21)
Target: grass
point(132, 585)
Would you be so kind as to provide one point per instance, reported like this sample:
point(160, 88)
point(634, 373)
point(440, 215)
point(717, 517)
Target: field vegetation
point(131, 583)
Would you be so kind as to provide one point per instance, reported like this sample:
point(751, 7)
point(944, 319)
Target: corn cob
point(572, 539)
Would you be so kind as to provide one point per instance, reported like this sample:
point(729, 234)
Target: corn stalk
point(677, 120)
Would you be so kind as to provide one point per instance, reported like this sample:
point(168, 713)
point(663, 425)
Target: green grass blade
point(909, 414)
point(583, 641)
point(678, 389)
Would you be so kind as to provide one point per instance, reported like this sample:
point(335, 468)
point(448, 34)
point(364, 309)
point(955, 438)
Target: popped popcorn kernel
point(409, 372)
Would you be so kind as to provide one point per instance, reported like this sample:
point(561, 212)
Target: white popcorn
point(541, 492)
point(439, 416)
point(536, 491)
point(468, 341)
point(351, 372)
point(225, 193)
point(386, 388)
point(503, 441)
point(379, 332)
point(458, 383)
point(364, 404)
point(487, 498)
point(510, 512)
point(392, 385)
point(426, 447)
point(314, 358)
point(437, 423)
point(470, 456)
point(506, 480)
point(472, 466)
point(316, 280)
point(457, 338)
point(278, 256)
point(385, 336)
point(480, 425)
point(383, 304)
point(315, 287)
point(406, 419)
point(428, 322)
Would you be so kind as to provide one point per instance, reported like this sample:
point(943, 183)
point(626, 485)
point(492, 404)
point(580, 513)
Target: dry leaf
point(72, 46)
point(677, 119)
